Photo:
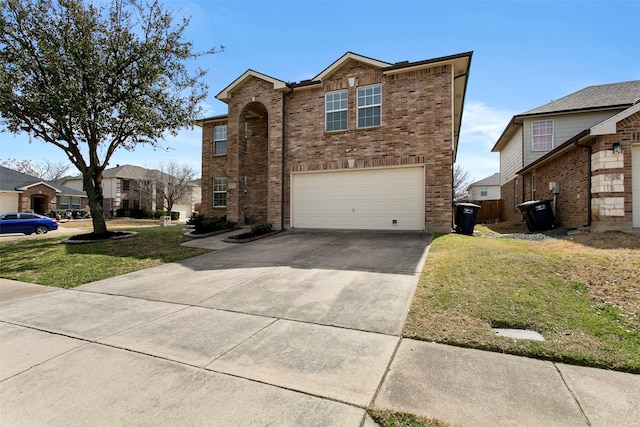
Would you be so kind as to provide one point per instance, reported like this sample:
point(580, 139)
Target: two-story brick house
point(363, 145)
point(583, 152)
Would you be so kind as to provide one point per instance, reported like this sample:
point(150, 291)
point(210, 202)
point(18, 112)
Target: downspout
point(282, 169)
point(521, 161)
point(589, 171)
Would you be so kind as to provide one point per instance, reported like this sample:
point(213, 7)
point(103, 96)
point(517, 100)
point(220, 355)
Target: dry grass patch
point(580, 292)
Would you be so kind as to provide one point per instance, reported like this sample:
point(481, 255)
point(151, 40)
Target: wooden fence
point(490, 211)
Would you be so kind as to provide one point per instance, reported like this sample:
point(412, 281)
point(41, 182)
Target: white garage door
point(373, 199)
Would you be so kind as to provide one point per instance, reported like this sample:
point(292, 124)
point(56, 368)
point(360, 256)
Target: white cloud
point(481, 128)
point(482, 124)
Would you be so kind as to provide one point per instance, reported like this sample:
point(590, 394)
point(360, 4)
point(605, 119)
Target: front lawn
point(45, 261)
point(582, 293)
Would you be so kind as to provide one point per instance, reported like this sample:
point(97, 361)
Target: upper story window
point(369, 106)
point(219, 140)
point(335, 107)
point(219, 192)
point(542, 135)
point(484, 191)
point(125, 185)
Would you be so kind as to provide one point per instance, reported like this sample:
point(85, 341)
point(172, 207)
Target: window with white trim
point(369, 106)
point(220, 192)
point(219, 140)
point(64, 202)
point(542, 135)
point(335, 107)
point(484, 191)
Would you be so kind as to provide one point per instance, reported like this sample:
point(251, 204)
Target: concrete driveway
point(296, 329)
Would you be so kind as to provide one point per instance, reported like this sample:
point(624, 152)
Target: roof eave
point(584, 135)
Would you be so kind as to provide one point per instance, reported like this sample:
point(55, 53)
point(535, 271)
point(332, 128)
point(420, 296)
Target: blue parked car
point(27, 223)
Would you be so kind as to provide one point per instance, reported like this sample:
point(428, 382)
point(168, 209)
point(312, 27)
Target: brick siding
point(416, 128)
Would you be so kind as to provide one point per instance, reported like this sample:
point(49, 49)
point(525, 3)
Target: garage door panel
point(365, 199)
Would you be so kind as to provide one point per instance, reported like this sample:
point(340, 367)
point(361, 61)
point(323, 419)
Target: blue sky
point(526, 53)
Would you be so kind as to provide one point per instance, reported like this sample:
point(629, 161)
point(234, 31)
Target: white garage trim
point(369, 199)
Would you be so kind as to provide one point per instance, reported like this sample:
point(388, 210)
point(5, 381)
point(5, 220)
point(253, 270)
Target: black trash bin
point(538, 215)
point(465, 217)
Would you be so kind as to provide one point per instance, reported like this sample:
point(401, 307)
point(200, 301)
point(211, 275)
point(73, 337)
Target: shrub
point(259, 229)
point(145, 213)
point(204, 224)
point(64, 213)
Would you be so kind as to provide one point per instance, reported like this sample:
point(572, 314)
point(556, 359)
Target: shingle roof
point(11, 180)
point(593, 97)
point(124, 171)
point(490, 180)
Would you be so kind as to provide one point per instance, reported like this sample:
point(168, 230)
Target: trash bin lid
point(468, 204)
point(531, 202)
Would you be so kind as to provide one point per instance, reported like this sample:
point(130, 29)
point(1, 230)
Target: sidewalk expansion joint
point(573, 395)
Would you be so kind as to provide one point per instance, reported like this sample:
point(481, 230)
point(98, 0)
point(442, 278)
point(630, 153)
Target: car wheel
point(41, 229)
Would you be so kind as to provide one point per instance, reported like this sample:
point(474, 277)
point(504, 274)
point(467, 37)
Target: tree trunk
point(93, 188)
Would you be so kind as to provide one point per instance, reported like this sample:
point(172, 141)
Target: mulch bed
point(248, 237)
point(99, 237)
point(213, 233)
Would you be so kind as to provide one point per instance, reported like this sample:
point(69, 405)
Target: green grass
point(46, 261)
point(471, 284)
point(399, 419)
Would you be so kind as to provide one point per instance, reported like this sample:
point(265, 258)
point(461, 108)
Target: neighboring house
point(581, 151)
point(20, 192)
point(485, 189)
point(135, 187)
point(365, 144)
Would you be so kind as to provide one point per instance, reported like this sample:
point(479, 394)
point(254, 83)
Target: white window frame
point(219, 187)
point(369, 101)
point(65, 202)
point(542, 135)
point(484, 191)
point(218, 139)
point(336, 102)
point(76, 203)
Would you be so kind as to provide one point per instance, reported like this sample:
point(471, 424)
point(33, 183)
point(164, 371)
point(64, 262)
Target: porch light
point(617, 148)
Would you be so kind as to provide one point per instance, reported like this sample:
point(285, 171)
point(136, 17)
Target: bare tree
point(460, 182)
point(91, 78)
point(172, 181)
point(47, 170)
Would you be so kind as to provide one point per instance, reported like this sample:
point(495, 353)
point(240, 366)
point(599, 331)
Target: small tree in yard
point(460, 182)
point(92, 80)
point(172, 182)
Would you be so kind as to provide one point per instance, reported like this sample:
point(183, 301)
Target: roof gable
point(490, 180)
point(277, 84)
point(346, 57)
point(12, 180)
point(609, 126)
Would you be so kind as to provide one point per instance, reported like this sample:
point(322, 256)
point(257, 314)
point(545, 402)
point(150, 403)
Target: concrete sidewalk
point(298, 329)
